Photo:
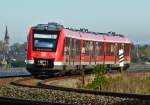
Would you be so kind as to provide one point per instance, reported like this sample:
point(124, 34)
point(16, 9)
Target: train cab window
point(45, 40)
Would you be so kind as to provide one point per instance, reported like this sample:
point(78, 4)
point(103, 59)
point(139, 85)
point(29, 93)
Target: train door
point(85, 53)
point(100, 53)
point(110, 53)
point(76, 52)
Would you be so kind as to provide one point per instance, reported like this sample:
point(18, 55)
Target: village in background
point(11, 55)
point(14, 55)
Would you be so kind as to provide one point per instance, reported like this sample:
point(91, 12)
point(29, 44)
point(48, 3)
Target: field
point(137, 82)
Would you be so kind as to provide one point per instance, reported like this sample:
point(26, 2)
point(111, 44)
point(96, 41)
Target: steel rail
point(13, 76)
point(18, 83)
point(86, 91)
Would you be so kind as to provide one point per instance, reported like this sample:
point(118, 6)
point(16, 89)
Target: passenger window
point(126, 49)
point(77, 47)
point(66, 50)
point(100, 48)
point(85, 49)
point(94, 50)
point(108, 49)
point(71, 47)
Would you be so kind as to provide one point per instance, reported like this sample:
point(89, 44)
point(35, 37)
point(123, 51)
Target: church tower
point(6, 38)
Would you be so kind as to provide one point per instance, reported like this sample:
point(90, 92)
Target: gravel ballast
point(66, 97)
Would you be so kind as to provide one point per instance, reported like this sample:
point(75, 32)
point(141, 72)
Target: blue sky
point(129, 17)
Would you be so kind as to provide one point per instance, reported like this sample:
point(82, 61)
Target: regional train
point(53, 48)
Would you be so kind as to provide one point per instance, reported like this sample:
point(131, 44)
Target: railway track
point(42, 84)
point(15, 101)
point(10, 76)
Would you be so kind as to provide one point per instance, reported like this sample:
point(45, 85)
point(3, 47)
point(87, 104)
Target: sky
point(128, 17)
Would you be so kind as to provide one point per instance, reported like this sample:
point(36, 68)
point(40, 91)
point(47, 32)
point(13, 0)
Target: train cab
point(44, 47)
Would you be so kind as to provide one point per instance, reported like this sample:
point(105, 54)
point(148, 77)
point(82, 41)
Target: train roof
point(114, 39)
point(84, 34)
point(96, 36)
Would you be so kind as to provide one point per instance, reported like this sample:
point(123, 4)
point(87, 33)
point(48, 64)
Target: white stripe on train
point(77, 63)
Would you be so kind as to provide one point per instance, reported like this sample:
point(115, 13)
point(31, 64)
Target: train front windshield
point(45, 41)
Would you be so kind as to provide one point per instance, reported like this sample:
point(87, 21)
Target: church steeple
point(6, 38)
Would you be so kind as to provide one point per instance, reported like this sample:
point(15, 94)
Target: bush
point(100, 79)
point(18, 63)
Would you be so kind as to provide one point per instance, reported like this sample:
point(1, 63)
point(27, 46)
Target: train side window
point(67, 41)
point(94, 50)
point(77, 47)
point(108, 49)
point(126, 49)
point(74, 46)
point(112, 50)
point(119, 47)
point(85, 49)
point(100, 48)
point(71, 47)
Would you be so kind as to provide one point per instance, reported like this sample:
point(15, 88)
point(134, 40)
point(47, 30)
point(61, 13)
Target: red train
point(51, 48)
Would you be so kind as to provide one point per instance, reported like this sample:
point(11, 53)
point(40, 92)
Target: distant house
point(17, 51)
